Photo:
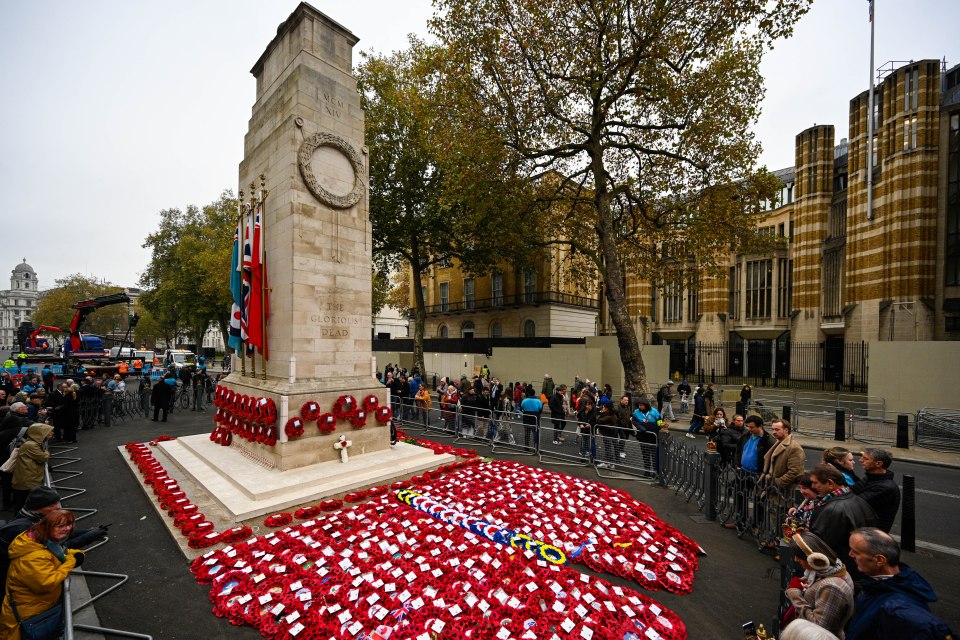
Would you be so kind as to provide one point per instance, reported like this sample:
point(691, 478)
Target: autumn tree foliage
point(187, 280)
point(438, 191)
point(632, 116)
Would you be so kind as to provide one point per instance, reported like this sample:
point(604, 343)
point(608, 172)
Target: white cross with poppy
point(342, 444)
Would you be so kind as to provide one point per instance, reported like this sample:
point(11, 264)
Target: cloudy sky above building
point(113, 110)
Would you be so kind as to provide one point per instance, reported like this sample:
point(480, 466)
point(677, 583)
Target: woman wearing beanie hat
point(825, 593)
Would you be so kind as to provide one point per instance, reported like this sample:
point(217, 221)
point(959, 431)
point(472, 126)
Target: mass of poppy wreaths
point(382, 569)
point(187, 517)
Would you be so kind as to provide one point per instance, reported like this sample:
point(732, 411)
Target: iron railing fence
point(828, 365)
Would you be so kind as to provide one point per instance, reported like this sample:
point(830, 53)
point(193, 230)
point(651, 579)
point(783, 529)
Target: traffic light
point(134, 320)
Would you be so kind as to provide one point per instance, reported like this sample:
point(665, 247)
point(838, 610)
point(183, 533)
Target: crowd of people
point(849, 576)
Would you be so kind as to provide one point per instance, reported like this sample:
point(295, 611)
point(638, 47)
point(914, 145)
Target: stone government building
point(17, 304)
point(837, 280)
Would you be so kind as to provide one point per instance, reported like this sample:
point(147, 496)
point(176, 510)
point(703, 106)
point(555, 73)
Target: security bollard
point(840, 426)
point(908, 515)
point(903, 432)
point(787, 412)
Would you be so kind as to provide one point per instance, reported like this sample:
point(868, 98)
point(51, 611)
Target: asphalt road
point(735, 583)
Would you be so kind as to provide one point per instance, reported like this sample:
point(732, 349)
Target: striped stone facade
point(837, 273)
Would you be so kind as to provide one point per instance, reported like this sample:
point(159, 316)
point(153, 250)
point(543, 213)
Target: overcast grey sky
point(112, 110)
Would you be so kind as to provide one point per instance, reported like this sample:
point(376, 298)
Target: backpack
point(16, 442)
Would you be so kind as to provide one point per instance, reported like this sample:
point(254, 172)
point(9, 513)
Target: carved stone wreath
point(305, 156)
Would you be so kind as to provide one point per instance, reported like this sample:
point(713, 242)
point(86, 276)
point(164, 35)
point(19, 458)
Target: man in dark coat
point(160, 399)
point(728, 439)
point(15, 420)
point(894, 603)
point(840, 512)
point(558, 413)
point(878, 487)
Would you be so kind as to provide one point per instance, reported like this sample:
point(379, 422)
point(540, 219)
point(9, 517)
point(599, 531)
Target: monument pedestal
point(244, 489)
point(314, 446)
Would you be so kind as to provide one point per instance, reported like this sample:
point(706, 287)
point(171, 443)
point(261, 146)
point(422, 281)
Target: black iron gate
point(828, 365)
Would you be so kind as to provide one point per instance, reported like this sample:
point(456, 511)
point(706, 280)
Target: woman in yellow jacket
point(38, 567)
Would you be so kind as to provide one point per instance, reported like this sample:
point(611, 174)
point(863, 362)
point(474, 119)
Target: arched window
point(466, 331)
point(496, 330)
point(529, 329)
point(442, 331)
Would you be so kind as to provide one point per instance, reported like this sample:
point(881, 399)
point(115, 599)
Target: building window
point(529, 329)
point(466, 330)
point(423, 292)
point(529, 286)
point(496, 330)
point(911, 97)
point(759, 286)
point(693, 301)
point(498, 289)
point(734, 303)
point(442, 331)
point(790, 237)
point(653, 302)
point(951, 324)
point(952, 273)
point(909, 133)
point(444, 296)
point(784, 287)
point(672, 303)
point(468, 299)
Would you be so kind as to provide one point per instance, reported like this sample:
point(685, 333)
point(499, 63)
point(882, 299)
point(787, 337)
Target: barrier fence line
point(59, 453)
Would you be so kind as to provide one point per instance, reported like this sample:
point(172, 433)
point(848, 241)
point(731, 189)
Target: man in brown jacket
point(783, 463)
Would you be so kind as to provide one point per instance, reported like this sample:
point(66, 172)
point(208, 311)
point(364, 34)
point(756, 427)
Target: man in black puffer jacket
point(728, 438)
point(878, 487)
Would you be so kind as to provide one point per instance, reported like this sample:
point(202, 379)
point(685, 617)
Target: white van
point(126, 354)
point(179, 358)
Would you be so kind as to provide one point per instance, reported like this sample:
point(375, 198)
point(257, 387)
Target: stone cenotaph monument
point(306, 138)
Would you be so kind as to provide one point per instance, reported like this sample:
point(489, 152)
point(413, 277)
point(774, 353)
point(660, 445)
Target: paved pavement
point(735, 582)
point(914, 454)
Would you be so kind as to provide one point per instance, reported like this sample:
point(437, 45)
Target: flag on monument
point(236, 291)
point(245, 275)
point(259, 298)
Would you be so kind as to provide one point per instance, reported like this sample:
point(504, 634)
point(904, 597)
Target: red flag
point(259, 297)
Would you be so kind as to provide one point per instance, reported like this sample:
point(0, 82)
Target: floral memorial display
point(385, 568)
point(470, 550)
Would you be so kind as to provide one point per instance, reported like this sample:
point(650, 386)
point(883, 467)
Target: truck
point(79, 347)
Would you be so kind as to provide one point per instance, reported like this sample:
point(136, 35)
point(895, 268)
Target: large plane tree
point(632, 117)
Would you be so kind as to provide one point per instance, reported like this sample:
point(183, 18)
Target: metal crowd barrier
point(937, 429)
point(569, 451)
point(625, 456)
point(59, 458)
point(515, 436)
point(477, 427)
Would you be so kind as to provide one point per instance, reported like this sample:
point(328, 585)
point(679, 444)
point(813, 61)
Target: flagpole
point(243, 361)
point(870, 124)
point(253, 202)
point(263, 280)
